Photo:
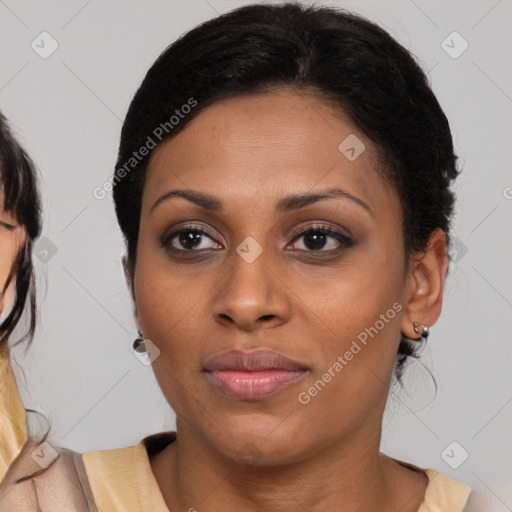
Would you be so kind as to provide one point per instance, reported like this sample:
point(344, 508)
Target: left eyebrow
point(283, 205)
point(296, 201)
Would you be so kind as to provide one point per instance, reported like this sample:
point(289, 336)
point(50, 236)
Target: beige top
point(122, 480)
point(13, 420)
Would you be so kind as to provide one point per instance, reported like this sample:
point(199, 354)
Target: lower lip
point(255, 385)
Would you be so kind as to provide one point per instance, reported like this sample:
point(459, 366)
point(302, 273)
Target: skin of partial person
point(12, 239)
point(309, 305)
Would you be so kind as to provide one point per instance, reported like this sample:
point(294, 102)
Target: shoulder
point(444, 493)
point(44, 477)
point(122, 479)
point(114, 476)
point(12, 414)
point(122, 460)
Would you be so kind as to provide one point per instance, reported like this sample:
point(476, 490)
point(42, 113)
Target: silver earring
point(139, 345)
point(422, 330)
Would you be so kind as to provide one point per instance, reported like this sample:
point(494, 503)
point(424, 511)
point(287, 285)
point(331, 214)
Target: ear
point(425, 284)
point(128, 274)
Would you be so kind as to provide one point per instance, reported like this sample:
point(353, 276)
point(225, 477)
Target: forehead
point(264, 146)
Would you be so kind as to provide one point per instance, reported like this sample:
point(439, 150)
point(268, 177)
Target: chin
point(257, 439)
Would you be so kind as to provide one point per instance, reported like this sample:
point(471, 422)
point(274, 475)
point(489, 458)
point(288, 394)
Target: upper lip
point(252, 360)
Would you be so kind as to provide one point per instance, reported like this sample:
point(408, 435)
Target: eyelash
point(345, 241)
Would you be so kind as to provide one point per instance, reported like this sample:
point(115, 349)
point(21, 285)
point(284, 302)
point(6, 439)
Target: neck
point(351, 475)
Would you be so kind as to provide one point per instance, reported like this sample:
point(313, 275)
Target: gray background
point(68, 109)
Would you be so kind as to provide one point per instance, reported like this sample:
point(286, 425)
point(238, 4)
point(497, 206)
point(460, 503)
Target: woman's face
point(334, 303)
point(12, 238)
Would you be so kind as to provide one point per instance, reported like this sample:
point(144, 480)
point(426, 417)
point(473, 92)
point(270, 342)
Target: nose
point(252, 295)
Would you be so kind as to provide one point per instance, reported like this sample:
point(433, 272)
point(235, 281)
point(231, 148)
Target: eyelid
point(338, 230)
point(10, 227)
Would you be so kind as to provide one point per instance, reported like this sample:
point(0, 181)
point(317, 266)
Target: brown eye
point(317, 238)
point(189, 239)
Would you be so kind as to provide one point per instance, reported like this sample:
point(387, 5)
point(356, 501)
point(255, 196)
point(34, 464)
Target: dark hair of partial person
point(339, 57)
point(19, 184)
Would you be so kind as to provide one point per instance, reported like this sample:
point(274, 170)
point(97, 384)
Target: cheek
point(166, 310)
point(4, 270)
point(345, 300)
point(356, 361)
point(355, 315)
point(171, 309)
point(7, 298)
point(164, 307)
point(9, 246)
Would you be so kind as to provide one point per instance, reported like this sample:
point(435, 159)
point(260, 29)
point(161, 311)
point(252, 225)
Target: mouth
point(252, 374)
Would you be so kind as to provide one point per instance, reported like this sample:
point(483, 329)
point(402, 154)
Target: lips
point(252, 374)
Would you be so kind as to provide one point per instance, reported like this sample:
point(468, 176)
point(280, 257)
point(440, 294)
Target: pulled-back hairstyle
point(342, 58)
point(21, 200)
